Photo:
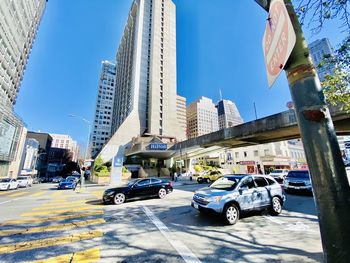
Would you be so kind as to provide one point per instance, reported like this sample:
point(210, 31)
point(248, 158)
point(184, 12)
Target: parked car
point(24, 181)
point(57, 179)
point(279, 174)
point(137, 188)
point(209, 177)
point(8, 183)
point(298, 180)
point(36, 180)
point(233, 194)
point(68, 183)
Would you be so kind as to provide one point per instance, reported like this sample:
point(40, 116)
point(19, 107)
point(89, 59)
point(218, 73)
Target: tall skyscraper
point(228, 114)
point(102, 124)
point(202, 117)
point(318, 49)
point(145, 96)
point(181, 115)
point(19, 21)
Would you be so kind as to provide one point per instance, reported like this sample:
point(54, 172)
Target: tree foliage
point(336, 86)
point(318, 12)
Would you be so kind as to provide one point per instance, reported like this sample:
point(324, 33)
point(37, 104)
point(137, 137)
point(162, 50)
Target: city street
point(40, 223)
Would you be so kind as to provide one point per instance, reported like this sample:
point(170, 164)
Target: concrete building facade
point(318, 49)
point(145, 95)
point(228, 114)
point(19, 21)
point(102, 124)
point(64, 141)
point(202, 117)
point(181, 115)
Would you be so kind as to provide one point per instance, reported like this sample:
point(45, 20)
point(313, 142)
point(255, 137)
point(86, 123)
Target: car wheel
point(162, 193)
point(119, 198)
point(231, 214)
point(276, 206)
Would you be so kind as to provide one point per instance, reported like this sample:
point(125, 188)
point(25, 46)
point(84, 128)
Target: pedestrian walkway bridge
point(277, 127)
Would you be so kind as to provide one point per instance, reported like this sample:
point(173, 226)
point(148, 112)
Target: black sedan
point(137, 188)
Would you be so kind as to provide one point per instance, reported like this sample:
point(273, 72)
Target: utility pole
point(330, 184)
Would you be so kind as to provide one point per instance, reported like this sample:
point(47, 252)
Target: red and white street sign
point(278, 41)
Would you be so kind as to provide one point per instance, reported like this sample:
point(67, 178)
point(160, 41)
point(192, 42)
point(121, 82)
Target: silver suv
point(298, 180)
point(233, 194)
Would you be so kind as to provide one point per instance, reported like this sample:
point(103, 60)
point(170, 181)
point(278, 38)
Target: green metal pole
point(329, 180)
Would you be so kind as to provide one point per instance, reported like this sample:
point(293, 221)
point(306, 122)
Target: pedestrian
point(190, 176)
point(175, 176)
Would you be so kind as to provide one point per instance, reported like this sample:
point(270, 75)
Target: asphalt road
point(42, 224)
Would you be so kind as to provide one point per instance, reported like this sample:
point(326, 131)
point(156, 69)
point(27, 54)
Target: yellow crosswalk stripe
point(85, 256)
point(38, 194)
point(48, 242)
point(71, 206)
point(4, 192)
point(61, 211)
point(49, 204)
point(51, 228)
point(53, 218)
point(98, 194)
point(57, 194)
point(18, 194)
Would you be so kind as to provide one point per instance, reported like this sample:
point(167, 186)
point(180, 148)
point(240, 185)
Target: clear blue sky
point(218, 47)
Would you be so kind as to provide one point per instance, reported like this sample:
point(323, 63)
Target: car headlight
point(108, 192)
point(214, 199)
point(286, 182)
point(307, 183)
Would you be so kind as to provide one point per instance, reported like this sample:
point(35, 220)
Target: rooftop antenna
point(220, 94)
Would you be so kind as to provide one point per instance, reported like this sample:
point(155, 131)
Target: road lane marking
point(297, 227)
point(57, 194)
point(9, 201)
point(98, 194)
point(51, 228)
point(274, 220)
point(38, 194)
point(53, 218)
point(40, 213)
point(48, 242)
point(180, 247)
point(17, 194)
point(85, 256)
point(71, 206)
point(66, 203)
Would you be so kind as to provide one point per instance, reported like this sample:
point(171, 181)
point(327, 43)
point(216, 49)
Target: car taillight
point(171, 184)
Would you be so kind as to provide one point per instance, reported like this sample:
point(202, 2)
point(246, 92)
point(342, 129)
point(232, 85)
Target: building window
point(245, 154)
point(237, 154)
point(256, 153)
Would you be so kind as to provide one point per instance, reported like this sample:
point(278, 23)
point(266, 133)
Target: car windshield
point(22, 178)
point(277, 171)
point(298, 174)
point(70, 178)
point(226, 182)
point(5, 180)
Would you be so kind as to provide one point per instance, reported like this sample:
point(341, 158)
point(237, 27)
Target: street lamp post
point(82, 179)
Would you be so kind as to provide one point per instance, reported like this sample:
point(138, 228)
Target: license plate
point(195, 206)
